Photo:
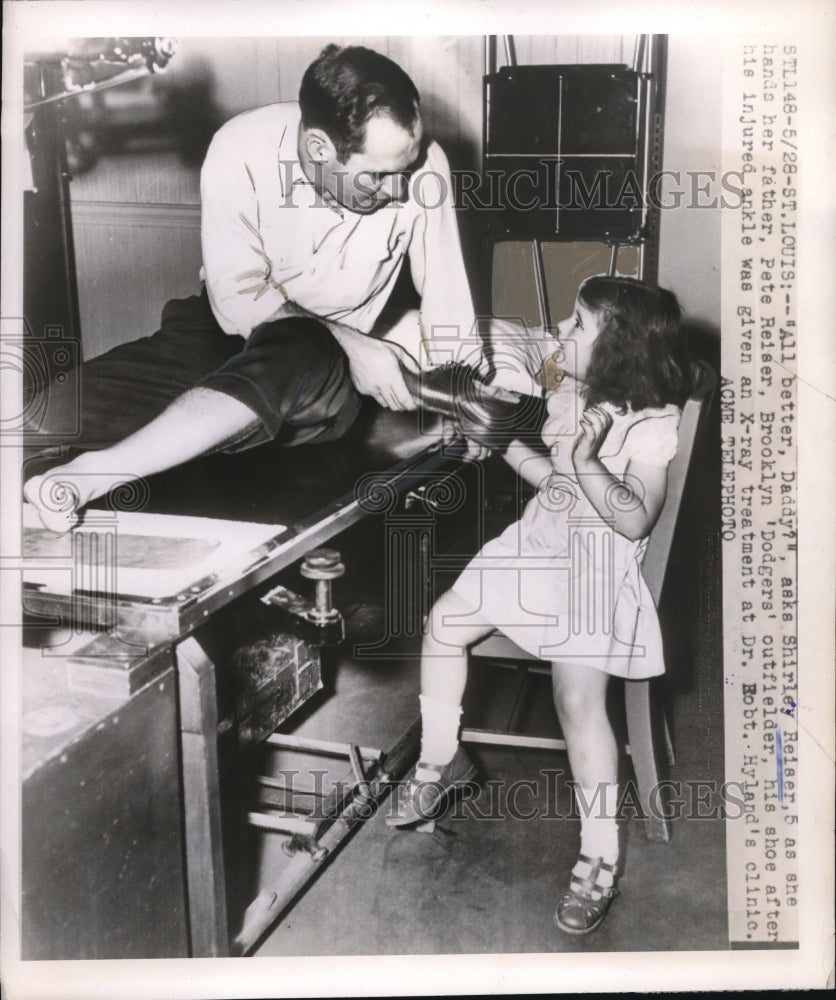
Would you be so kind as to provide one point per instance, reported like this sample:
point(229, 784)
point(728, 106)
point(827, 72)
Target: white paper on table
point(138, 554)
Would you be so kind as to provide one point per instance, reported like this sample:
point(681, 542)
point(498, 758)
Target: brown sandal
point(586, 903)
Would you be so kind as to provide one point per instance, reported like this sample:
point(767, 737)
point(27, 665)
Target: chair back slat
point(661, 538)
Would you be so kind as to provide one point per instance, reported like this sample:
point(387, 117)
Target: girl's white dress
point(561, 582)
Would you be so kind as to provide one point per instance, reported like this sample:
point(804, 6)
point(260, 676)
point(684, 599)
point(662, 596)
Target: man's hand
point(475, 450)
point(375, 367)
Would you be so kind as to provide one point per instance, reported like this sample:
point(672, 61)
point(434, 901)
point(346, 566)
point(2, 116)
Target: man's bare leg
point(196, 422)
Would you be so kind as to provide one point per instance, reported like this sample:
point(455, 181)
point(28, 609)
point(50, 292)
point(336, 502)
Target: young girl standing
point(564, 582)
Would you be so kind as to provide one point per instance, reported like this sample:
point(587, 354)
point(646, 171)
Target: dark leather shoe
point(416, 801)
point(586, 903)
point(489, 414)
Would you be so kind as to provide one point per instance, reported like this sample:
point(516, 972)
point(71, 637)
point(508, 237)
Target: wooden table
point(149, 658)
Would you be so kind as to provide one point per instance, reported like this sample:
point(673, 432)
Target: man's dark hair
point(344, 87)
point(640, 358)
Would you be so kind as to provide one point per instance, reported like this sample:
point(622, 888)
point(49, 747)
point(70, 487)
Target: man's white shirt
point(268, 237)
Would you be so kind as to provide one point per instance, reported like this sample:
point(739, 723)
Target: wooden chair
point(498, 647)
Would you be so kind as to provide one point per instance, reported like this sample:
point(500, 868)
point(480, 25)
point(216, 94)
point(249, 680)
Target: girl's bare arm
point(631, 504)
point(530, 465)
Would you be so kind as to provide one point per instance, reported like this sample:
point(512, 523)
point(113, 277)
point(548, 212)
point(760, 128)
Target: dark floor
point(485, 884)
point(488, 879)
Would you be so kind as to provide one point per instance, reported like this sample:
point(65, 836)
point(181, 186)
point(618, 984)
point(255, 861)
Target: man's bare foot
point(56, 502)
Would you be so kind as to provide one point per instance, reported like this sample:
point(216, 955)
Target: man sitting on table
point(308, 210)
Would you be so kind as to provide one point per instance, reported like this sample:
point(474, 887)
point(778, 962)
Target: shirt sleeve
point(448, 322)
point(653, 441)
point(236, 268)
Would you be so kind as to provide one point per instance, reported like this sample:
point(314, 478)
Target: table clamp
point(318, 621)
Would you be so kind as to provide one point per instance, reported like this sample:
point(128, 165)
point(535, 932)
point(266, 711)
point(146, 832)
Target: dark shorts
point(291, 373)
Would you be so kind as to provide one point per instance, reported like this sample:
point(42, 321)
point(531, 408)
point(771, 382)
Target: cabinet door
point(102, 865)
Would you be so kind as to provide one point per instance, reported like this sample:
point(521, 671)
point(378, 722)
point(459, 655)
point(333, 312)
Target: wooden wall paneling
point(269, 72)
point(448, 73)
point(294, 55)
point(131, 260)
point(159, 178)
point(447, 70)
point(601, 49)
point(533, 50)
point(570, 49)
point(234, 61)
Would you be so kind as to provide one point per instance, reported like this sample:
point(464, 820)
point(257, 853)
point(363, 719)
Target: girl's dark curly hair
point(344, 87)
point(640, 358)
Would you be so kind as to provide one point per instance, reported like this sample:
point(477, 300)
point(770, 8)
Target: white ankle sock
point(599, 830)
point(439, 730)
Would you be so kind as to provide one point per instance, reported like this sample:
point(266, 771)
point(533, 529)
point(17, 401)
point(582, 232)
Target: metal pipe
point(510, 56)
point(540, 282)
point(503, 739)
point(322, 599)
point(124, 77)
point(269, 905)
point(287, 741)
point(512, 48)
